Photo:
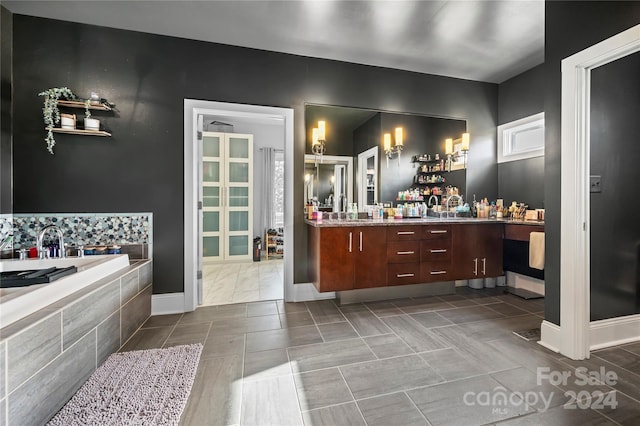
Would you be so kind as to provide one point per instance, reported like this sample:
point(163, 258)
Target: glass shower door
point(239, 196)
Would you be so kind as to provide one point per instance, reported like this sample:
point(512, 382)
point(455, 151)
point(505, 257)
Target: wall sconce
point(455, 148)
point(397, 148)
point(318, 146)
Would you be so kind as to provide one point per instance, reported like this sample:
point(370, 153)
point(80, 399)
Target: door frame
point(573, 337)
point(362, 175)
point(193, 108)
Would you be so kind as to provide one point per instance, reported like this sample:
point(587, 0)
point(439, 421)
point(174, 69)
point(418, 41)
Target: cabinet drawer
point(437, 232)
point(404, 233)
point(403, 251)
point(403, 273)
point(435, 271)
point(435, 250)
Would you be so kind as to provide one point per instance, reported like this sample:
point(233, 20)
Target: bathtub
point(19, 302)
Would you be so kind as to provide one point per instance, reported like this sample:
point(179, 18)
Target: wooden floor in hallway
point(445, 360)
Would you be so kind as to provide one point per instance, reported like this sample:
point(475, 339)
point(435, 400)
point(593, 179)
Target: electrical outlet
point(595, 183)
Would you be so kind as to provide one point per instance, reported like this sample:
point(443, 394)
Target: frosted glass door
point(239, 196)
point(212, 189)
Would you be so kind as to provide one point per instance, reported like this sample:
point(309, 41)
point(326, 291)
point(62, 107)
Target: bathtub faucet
point(58, 231)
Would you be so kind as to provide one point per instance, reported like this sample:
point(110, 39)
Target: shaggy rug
point(147, 387)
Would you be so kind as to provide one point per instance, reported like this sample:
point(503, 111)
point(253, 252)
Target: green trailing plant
point(87, 104)
point(50, 111)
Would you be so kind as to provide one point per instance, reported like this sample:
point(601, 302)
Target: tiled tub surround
point(86, 229)
point(47, 356)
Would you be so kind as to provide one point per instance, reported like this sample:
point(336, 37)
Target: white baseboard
point(168, 303)
point(525, 282)
point(550, 336)
point(306, 292)
point(614, 331)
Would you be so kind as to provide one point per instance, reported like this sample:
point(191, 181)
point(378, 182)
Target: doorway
point(196, 114)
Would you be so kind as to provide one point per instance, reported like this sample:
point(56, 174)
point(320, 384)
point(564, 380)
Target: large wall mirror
point(358, 134)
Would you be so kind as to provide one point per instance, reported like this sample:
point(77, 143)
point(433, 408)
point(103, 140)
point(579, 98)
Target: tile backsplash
point(86, 228)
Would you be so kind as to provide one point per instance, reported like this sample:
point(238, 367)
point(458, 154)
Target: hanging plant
point(50, 111)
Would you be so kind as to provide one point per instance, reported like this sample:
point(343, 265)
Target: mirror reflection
point(329, 182)
point(388, 149)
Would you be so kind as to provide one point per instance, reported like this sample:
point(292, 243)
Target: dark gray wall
point(569, 28)
point(148, 76)
point(519, 97)
point(615, 155)
point(6, 37)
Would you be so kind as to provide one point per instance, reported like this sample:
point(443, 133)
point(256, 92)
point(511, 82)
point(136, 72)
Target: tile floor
point(449, 360)
point(225, 283)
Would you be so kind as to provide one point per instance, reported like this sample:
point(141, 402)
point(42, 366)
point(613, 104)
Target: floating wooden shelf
point(80, 132)
point(81, 104)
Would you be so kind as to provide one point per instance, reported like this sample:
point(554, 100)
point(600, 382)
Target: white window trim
point(505, 131)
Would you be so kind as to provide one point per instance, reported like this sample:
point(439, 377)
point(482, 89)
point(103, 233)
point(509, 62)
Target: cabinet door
point(238, 196)
point(212, 217)
point(370, 257)
point(491, 256)
point(336, 259)
point(465, 251)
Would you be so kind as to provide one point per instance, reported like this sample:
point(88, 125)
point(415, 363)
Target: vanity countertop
point(325, 223)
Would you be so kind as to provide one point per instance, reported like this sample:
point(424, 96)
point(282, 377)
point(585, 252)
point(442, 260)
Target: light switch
point(595, 183)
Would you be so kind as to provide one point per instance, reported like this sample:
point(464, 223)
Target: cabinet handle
point(439, 231)
point(475, 266)
point(438, 250)
point(350, 241)
point(438, 272)
point(405, 252)
point(405, 232)
point(360, 240)
point(484, 266)
point(405, 275)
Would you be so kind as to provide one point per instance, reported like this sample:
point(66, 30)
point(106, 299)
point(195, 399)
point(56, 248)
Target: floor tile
point(633, 347)
point(430, 319)
point(425, 304)
point(451, 364)
point(540, 394)
point(216, 346)
point(626, 410)
point(210, 313)
point(147, 338)
point(499, 328)
point(321, 388)
point(394, 409)
point(296, 319)
point(270, 402)
point(560, 416)
point(383, 309)
point(275, 339)
point(345, 414)
point(506, 309)
point(389, 375)
point(324, 311)
point(245, 325)
point(621, 357)
point(266, 364)
point(331, 354)
point(461, 402)
point(162, 320)
point(469, 314)
point(388, 345)
point(262, 308)
point(337, 331)
point(365, 322)
point(625, 381)
point(417, 337)
point(291, 307)
point(216, 395)
point(186, 334)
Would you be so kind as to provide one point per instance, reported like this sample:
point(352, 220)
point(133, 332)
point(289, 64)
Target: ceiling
point(479, 40)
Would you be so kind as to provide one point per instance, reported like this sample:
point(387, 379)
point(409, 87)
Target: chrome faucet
point(429, 201)
point(459, 198)
point(58, 231)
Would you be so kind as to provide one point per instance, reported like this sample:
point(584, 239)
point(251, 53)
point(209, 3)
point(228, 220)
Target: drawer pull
point(438, 272)
point(406, 252)
point(438, 250)
point(405, 275)
point(439, 231)
point(406, 232)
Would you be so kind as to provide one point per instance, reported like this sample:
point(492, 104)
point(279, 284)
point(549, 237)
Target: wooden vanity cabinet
point(345, 258)
point(477, 250)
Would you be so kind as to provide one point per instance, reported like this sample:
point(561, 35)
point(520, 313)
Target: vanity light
point(397, 148)
point(462, 144)
point(465, 142)
point(448, 146)
point(318, 140)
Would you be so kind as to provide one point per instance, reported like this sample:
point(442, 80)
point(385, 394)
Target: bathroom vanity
point(358, 254)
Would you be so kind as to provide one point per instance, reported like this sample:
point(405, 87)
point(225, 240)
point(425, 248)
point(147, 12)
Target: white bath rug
point(149, 387)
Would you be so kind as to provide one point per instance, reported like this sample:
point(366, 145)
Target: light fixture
point(318, 146)
point(395, 149)
point(462, 144)
point(465, 142)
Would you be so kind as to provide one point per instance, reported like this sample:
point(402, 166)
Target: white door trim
point(362, 175)
point(574, 339)
point(193, 107)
